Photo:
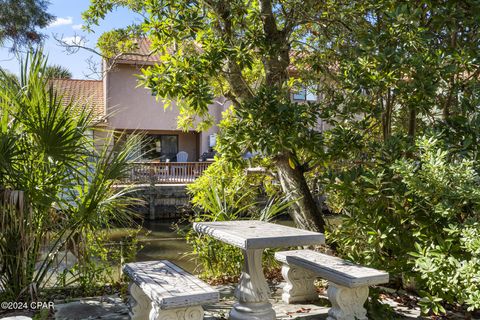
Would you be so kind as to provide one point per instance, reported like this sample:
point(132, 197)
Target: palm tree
point(57, 71)
point(54, 186)
point(5, 73)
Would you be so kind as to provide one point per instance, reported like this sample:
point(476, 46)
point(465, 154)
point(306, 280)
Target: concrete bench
point(347, 282)
point(162, 290)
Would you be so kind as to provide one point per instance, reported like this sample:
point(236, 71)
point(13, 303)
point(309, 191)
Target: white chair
point(181, 170)
point(182, 156)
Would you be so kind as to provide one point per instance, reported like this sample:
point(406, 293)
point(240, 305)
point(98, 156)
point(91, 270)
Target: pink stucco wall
point(129, 107)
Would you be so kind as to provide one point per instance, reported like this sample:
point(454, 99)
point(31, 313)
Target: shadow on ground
point(115, 309)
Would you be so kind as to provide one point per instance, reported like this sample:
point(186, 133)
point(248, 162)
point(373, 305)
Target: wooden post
point(151, 200)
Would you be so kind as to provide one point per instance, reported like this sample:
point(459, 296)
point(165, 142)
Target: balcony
point(165, 172)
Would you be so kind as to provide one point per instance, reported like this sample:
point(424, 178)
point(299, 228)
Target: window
point(300, 95)
point(306, 93)
point(161, 147)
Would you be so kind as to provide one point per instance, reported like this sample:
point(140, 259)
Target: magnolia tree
point(403, 154)
point(244, 51)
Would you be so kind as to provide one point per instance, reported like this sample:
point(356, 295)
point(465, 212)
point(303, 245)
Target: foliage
point(403, 66)
point(118, 42)
point(237, 186)
point(448, 261)
point(417, 217)
point(270, 125)
point(216, 198)
point(239, 50)
point(391, 73)
point(19, 20)
point(4, 73)
point(99, 261)
point(57, 71)
point(59, 189)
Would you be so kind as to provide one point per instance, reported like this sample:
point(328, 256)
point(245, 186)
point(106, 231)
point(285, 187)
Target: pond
point(162, 242)
point(158, 240)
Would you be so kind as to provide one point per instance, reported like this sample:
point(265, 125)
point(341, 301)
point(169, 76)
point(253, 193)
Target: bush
point(223, 193)
point(446, 190)
point(415, 217)
point(99, 260)
point(238, 188)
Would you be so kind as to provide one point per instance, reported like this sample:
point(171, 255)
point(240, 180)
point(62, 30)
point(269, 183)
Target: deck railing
point(165, 172)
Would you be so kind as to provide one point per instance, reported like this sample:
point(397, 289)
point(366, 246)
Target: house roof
point(82, 93)
point(142, 55)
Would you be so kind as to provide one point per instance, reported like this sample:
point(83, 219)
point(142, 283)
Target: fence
point(165, 172)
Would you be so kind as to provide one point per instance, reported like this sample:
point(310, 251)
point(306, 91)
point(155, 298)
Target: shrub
point(417, 217)
point(237, 187)
point(224, 192)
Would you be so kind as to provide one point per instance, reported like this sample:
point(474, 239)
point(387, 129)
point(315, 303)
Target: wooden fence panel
point(165, 172)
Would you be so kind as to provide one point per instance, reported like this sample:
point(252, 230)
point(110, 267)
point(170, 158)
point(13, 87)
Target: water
point(162, 242)
point(158, 240)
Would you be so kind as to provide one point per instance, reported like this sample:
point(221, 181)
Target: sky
point(67, 25)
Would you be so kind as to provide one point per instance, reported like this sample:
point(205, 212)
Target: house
point(119, 104)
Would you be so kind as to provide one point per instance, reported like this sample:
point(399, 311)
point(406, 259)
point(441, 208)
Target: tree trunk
point(448, 100)
point(412, 123)
point(451, 84)
point(387, 117)
point(304, 210)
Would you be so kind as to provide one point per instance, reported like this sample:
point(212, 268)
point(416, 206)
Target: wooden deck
point(165, 172)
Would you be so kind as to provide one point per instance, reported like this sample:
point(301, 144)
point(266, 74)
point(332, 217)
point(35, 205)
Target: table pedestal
point(252, 292)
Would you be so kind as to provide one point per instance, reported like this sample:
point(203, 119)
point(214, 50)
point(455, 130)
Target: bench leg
point(299, 286)
point(252, 292)
point(140, 304)
point(189, 313)
point(347, 303)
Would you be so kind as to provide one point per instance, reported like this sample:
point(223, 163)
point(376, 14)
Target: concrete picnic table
point(253, 237)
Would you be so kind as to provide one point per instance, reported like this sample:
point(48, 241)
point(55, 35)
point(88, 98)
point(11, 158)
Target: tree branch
point(238, 84)
point(79, 44)
point(269, 22)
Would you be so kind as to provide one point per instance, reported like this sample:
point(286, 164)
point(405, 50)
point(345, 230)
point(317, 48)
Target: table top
point(254, 234)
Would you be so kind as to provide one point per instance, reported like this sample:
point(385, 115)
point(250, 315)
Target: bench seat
point(348, 282)
point(162, 290)
point(333, 269)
